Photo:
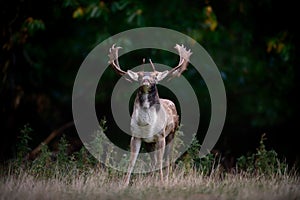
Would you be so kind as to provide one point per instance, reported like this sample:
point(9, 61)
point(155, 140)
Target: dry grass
point(101, 184)
point(261, 176)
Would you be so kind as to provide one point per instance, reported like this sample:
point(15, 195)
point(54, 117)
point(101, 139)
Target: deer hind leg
point(135, 145)
point(150, 148)
point(168, 153)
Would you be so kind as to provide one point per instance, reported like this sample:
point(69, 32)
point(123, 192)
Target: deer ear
point(133, 75)
point(161, 75)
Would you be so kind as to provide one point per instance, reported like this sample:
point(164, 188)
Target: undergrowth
point(49, 164)
point(59, 175)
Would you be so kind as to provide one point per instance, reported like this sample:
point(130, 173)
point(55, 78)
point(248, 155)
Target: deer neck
point(148, 97)
point(149, 117)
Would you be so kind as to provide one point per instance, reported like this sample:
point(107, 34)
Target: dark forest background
point(253, 43)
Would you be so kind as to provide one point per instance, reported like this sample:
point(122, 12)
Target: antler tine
point(184, 55)
point(113, 59)
point(152, 65)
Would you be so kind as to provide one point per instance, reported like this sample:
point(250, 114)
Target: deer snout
point(146, 83)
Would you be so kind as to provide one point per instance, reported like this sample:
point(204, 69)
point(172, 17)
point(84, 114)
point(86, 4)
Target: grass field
point(260, 175)
point(101, 184)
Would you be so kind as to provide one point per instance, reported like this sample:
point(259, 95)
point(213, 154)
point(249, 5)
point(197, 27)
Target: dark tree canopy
point(253, 43)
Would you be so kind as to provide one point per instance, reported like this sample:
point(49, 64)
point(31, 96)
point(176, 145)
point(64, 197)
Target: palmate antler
point(184, 55)
point(113, 59)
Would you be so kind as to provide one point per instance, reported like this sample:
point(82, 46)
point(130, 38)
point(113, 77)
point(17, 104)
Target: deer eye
point(155, 78)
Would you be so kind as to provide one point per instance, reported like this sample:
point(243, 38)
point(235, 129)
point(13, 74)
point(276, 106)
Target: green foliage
point(49, 163)
point(192, 155)
point(263, 161)
point(62, 155)
point(42, 165)
point(33, 25)
point(208, 163)
point(98, 146)
point(83, 160)
point(194, 149)
point(23, 142)
point(192, 159)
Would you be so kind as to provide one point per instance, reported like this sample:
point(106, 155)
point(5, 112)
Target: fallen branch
point(32, 155)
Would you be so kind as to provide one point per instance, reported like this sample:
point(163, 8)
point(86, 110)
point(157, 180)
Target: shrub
point(23, 143)
point(263, 161)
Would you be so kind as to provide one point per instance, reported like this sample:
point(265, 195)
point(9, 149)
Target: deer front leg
point(161, 144)
point(135, 145)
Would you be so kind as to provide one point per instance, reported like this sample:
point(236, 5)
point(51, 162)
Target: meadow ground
point(260, 175)
point(182, 184)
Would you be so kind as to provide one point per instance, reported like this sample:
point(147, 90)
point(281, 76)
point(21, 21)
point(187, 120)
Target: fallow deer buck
point(154, 120)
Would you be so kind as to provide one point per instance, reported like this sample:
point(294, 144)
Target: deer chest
point(148, 123)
